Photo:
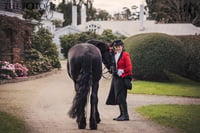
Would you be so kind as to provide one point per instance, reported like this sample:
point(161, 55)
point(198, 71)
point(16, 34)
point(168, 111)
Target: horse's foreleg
point(94, 114)
point(97, 114)
point(81, 120)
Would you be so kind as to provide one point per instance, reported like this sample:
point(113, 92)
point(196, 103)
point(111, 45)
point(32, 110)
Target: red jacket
point(124, 62)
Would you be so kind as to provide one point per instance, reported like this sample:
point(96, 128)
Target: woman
point(118, 90)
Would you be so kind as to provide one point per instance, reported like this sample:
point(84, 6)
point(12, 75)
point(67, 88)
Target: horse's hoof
point(98, 120)
point(93, 127)
point(81, 123)
point(81, 126)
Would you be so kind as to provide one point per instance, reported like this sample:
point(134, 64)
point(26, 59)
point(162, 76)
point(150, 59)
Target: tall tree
point(102, 15)
point(32, 9)
point(117, 16)
point(66, 8)
point(174, 11)
point(89, 7)
point(90, 10)
point(135, 13)
point(126, 13)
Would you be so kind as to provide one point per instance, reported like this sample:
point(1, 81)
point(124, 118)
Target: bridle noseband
point(111, 64)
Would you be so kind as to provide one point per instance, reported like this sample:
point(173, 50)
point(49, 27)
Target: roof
point(67, 30)
point(64, 31)
point(11, 14)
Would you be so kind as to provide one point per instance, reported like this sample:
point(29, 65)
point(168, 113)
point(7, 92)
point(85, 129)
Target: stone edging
point(45, 74)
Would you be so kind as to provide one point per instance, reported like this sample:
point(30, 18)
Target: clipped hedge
point(191, 45)
point(153, 54)
point(67, 41)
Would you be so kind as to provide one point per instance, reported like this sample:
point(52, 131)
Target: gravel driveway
point(43, 105)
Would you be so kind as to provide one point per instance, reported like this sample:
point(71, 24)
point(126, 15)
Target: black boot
point(124, 116)
point(120, 109)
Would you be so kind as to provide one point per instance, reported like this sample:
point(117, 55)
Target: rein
point(106, 74)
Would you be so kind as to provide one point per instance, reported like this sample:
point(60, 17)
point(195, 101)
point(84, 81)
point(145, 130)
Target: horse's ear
point(111, 44)
point(92, 41)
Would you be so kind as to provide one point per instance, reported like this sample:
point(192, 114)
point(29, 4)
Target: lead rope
point(106, 74)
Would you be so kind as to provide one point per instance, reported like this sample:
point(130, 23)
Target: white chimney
point(83, 14)
point(141, 17)
point(74, 15)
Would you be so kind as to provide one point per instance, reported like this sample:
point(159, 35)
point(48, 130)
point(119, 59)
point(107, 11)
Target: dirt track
point(43, 105)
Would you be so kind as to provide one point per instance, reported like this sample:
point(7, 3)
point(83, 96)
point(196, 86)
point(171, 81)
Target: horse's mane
point(101, 45)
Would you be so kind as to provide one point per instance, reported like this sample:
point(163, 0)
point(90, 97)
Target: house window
point(93, 28)
point(11, 5)
point(8, 4)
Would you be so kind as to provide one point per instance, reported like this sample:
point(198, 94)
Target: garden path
point(43, 105)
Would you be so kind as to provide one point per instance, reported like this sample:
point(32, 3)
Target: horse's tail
point(82, 87)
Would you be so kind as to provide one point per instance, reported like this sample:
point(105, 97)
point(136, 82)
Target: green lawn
point(10, 124)
point(185, 118)
point(187, 88)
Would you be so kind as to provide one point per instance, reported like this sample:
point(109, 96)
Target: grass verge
point(185, 118)
point(10, 124)
point(186, 89)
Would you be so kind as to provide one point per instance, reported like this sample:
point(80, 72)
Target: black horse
point(85, 69)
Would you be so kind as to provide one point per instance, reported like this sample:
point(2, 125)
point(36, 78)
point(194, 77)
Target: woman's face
point(118, 48)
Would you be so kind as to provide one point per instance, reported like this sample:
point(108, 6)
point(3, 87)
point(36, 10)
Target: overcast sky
point(114, 6)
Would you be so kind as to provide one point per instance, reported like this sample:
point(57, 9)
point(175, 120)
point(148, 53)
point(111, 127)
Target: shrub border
point(42, 75)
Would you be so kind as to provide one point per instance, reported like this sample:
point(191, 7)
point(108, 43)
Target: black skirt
point(118, 91)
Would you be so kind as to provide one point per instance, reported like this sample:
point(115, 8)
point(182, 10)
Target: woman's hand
point(120, 72)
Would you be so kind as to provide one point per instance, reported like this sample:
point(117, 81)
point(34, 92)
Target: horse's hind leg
point(81, 121)
point(94, 114)
point(97, 116)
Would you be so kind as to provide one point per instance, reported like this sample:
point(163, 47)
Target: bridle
point(107, 74)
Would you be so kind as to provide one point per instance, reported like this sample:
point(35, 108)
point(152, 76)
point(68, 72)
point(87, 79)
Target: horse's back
point(82, 49)
point(87, 53)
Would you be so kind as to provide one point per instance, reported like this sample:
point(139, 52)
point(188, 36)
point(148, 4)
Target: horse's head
point(106, 52)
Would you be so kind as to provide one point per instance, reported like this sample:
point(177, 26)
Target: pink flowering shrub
point(20, 70)
point(7, 70)
point(10, 71)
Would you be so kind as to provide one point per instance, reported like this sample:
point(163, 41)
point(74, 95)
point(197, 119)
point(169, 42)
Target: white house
point(57, 2)
point(13, 8)
point(129, 28)
point(126, 28)
point(11, 14)
point(64, 31)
